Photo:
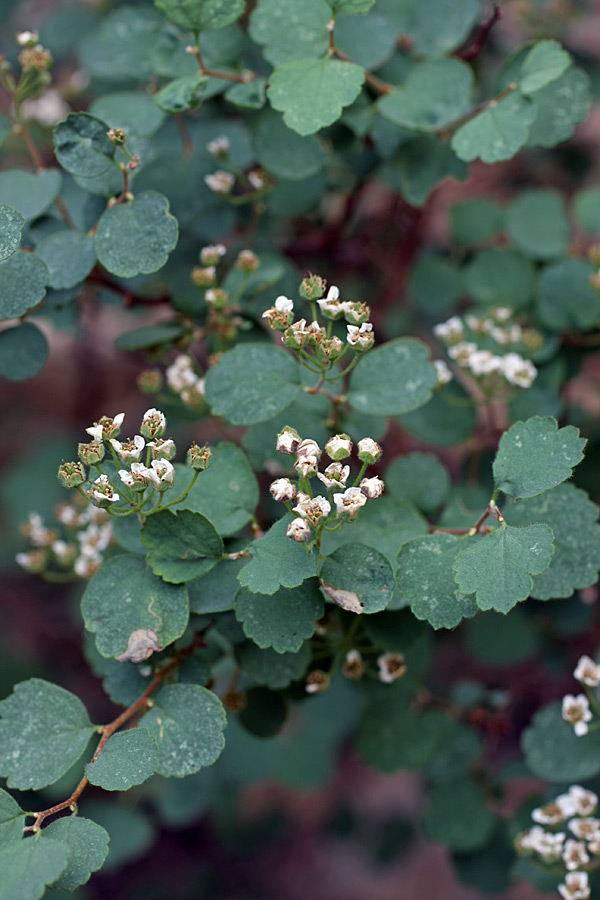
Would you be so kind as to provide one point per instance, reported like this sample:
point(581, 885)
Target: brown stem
point(382, 86)
point(447, 130)
point(32, 149)
point(108, 730)
point(187, 143)
point(477, 46)
point(212, 73)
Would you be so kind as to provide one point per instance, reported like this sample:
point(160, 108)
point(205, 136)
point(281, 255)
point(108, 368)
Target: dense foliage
point(337, 478)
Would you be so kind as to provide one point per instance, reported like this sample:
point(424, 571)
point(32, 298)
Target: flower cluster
point(222, 305)
point(184, 380)
point(576, 709)
point(566, 834)
point(487, 346)
point(314, 513)
point(326, 347)
point(222, 181)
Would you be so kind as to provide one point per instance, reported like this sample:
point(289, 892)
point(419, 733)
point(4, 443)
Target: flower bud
point(369, 450)
point(33, 561)
point(160, 474)
point(130, 450)
point(312, 287)
point(220, 182)
point(204, 277)
point(348, 503)
point(71, 474)
point(219, 147)
point(162, 448)
point(317, 682)
point(217, 298)
point(91, 453)
point(247, 261)
point(334, 476)
point(150, 381)
point(153, 424)
point(356, 313)
point(35, 59)
point(354, 666)
point(299, 530)
point(211, 254)
point(330, 349)
point(391, 667)
point(27, 38)
point(282, 490)
point(338, 447)
point(199, 458)
point(116, 136)
point(288, 440)
point(372, 487)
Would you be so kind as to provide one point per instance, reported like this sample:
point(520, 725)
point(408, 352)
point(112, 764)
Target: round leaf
point(545, 62)
point(282, 620)
point(497, 133)
point(88, 845)
point(181, 94)
point(567, 300)
point(31, 194)
point(180, 543)
point(275, 670)
point(128, 758)
point(391, 736)
point(28, 866)
point(284, 152)
point(537, 223)
point(553, 751)
point(12, 224)
point(129, 110)
point(187, 723)
point(438, 26)
point(290, 30)
point(201, 15)
point(125, 596)
point(252, 383)
point(277, 561)
point(362, 571)
point(559, 107)
point(82, 146)
point(500, 277)
point(136, 237)
point(12, 819)
point(408, 382)
point(23, 280)
point(23, 352)
point(420, 478)
point(69, 255)
point(457, 815)
point(435, 93)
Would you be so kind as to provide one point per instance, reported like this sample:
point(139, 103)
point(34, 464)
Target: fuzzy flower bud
point(312, 287)
point(451, 331)
point(35, 59)
point(204, 276)
point(27, 38)
point(33, 561)
point(288, 440)
point(369, 450)
point(71, 474)
point(299, 530)
point(317, 682)
point(391, 667)
point(313, 508)
point(116, 136)
point(91, 453)
point(282, 490)
point(199, 457)
point(330, 349)
point(153, 424)
point(211, 255)
point(338, 447)
point(216, 297)
point(354, 665)
point(281, 314)
point(518, 371)
point(576, 886)
point(219, 147)
point(247, 261)
point(372, 487)
point(220, 182)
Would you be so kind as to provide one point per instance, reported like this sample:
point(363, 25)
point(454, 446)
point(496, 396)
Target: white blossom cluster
point(298, 335)
point(313, 511)
point(184, 381)
point(477, 343)
point(78, 547)
point(566, 833)
point(576, 708)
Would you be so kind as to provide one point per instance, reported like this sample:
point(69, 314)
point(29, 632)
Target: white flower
point(576, 886)
point(103, 493)
point(349, 502)
point(587, 828)
point(334, 476)
point(136, 478)
point(587, 672)
point(372, 487)
point(462, 352)
point(360, 337)
point(49, 109)
point(308, 447)
point(550, 814)
point(548, 845)
point(330, 305)
point(129, 450)
point(283, 489)
point(518, 371)
point(299, 530)
point(502, 313)
point(288, 440)
point(155, 417)
point(284, 304)
point(37, 532)
point(96, 432)
point(219, 146)
point(574, 854)
point(391, 667)
point(161, 474)
point(312, 508)
point(25, 38)
point(107, 424)
point(451, 329)
point(576, 711)
point(369, 450)
point(482, 362)
point(94, 539)
point(338, 447)
point(257, 179)
point(220, 182)
point(86, 566)
point(583, 802)
point(444, 375)
point(180, 374)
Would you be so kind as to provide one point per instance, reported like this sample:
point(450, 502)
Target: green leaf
point(88, 845)
point(43, 732)
point(436, 92)
point(544, 63)
point(499, 567)
point(133, 111)
point(252, 383)
point(449, 418)
point(12, 224)
point(312, 92)
point(426, 579)
point(537, 223)
point(31, 194)
point(82, 146)
point(420, 478)
point(369, 41)
point(275, 670)
point(282, 620)
point(277, 561)
point(361, 571)
point(131, 832)
point(23, 280)
point(125, 683)
point(179, 544)
point(12, 819)
point(554, 752)
point(69, 255)
point(420, 165)
point(23, 352)
point(351, 7)
point(392, 736)
point(252, 95)
point(458, 748)
point(182, 93)
point(409, 379)
point(438, 27)
point(559, 107)
point(495, 639)
point(536, 455)
point(226, 493)
point(187, 722)
point(500, 277)
point(567, 301)
point(435, 284)
point(215, 591)
point(289, 30)
point(128, 758)
point(125, 596)
point(573, 519)
point(284, 152)
point(458, 816)
point(497, 133)
point(201, 15)
point(136, 237)
point(586, 207)
point(28, 866)
point(475, 220)
point(150, 336)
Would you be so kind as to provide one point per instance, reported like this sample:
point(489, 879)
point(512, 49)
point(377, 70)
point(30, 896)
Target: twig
point(473, 51)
